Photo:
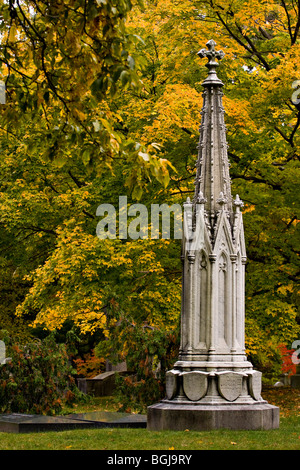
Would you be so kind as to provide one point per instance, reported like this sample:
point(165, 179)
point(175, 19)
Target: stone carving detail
point(195, 385)
point(203, 261)
point(223, 264)
point(230, 385)
point(255, 384)
point(171, 384)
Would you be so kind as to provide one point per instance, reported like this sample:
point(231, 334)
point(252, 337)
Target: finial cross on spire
point(212, 55)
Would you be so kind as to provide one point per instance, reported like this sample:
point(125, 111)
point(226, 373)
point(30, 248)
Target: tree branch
point(288, 20)
point(282, 134)
point(255, 179)
point(254, 50)
point(39, 229)
point(297, 26)
point(76, 180)
point(294, 130)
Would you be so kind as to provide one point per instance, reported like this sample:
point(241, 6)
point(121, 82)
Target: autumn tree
point(66, 150)
point(99, 107)
point(260, 70)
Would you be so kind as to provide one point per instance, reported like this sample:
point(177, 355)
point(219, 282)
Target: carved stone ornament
point(255, 384)
point(195, 385)
point(203, 262)
point(171, 384)
point(223, 264)
point(201, 199)
point(212, 55)
point(230, 385)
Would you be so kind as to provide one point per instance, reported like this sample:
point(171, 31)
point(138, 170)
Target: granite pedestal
point(164, 416)
point(202, 400)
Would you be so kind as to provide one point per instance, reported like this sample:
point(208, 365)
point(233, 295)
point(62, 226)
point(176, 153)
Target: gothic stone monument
point(213, 385)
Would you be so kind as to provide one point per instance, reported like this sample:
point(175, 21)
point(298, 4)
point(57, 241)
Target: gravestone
point(295, 379)
point(101, 385)
point(23, 423)
point(212, 384)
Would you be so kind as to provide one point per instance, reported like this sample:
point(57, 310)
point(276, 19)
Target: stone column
point(213, 385)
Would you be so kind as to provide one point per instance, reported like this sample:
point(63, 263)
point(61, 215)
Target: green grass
point(287, 437)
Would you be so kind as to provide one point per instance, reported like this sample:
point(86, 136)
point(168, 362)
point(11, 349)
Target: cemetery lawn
point(287, 437)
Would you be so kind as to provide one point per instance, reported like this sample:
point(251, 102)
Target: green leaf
point(85, 156)
point(137, 192)
point(125, 78)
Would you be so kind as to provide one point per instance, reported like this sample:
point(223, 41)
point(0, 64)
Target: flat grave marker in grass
point(20, 423)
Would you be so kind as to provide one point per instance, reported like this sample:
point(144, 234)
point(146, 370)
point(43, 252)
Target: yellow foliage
point(239, 110)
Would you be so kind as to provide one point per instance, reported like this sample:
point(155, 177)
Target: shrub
point(38, 379)
point(149, 352)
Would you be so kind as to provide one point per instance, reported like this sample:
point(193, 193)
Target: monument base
point(179, 417)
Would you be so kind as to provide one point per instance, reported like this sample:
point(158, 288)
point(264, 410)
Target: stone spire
point(213, 248)
point(212, 178)
point(212, 384)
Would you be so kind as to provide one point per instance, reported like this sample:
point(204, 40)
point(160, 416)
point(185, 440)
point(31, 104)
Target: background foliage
point(37, 379)
point(103, 99)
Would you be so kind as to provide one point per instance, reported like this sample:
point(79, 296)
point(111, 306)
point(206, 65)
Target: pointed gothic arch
point(203, 296)
point(224, 286)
